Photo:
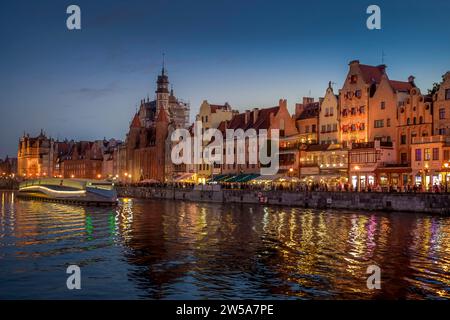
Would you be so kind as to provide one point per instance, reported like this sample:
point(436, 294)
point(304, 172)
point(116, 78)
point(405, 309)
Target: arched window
point(408, 121)
point(420, 119)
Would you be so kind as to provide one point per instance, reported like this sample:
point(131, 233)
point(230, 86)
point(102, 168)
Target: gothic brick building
point(145, 152)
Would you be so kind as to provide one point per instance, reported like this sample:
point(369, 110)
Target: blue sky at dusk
point(87, 84)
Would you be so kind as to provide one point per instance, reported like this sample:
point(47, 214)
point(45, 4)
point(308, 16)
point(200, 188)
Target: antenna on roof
point(163, 62)
point(382, 56)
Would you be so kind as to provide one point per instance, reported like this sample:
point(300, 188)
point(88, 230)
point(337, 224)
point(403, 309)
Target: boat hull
point(69, 191)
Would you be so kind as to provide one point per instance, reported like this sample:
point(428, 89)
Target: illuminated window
point(427, 154)
point(379, 123)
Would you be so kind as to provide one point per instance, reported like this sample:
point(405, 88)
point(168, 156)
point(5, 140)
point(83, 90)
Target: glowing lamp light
point(357, 167)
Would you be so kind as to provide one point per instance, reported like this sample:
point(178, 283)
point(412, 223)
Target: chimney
point(307, 100)
point(354, 62)
point(382, 67)
point(247, 116)
point(255, 114)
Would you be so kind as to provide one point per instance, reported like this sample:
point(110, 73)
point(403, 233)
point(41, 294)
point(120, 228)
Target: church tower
point(162, 91)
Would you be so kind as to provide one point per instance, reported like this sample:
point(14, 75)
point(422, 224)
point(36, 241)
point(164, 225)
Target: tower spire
point(163, 63)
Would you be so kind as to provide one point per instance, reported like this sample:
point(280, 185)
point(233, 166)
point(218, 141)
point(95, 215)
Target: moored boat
point(80, 191)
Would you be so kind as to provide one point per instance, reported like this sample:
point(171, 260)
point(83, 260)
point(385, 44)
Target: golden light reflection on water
point(183, 249)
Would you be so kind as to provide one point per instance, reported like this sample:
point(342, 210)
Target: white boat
point(82, 191)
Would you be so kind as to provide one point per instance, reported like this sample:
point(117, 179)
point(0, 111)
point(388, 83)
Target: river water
point(145, 249)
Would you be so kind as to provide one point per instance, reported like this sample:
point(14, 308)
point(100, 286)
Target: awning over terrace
point(240, 178)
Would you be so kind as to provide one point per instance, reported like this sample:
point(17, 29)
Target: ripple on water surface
point(182, 250)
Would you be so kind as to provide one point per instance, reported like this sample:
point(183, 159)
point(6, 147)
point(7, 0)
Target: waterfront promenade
point(435, 203)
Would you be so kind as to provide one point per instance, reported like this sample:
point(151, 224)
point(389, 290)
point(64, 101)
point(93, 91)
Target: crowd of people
point(299, 187)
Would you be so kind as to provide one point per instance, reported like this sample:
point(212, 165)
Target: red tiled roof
point(262, 120)
point(215, 107)
point(222, 126)
point(237, 122)
point(400, 85)
point(372, 73)
point(311, 110)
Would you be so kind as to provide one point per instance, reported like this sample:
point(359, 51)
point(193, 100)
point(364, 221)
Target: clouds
point(96, 92)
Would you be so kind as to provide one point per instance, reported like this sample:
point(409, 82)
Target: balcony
point(431, 139)
point(371, 145)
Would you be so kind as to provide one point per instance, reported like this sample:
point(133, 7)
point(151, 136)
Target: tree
point(435, 88)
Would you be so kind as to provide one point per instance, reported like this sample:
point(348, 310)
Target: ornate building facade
point(329, 118)
point(36, 156)
point(441, 112)
point(146, 153)
point(354, 98)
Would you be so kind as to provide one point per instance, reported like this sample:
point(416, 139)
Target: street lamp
point(446, 172)
point(357, 168)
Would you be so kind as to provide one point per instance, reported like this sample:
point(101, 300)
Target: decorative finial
point(163, 63)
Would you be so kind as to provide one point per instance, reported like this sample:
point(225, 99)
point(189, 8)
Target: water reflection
point(164, 249)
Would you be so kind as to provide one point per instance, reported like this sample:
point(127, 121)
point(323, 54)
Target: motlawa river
point(147, 249)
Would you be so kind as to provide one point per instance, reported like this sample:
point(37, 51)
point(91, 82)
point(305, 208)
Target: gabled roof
point(237, 122)
point(372, 74)
point(215, 107)
point(258, 119)
point(402, 86)
point(311, 110)
point(263, 119)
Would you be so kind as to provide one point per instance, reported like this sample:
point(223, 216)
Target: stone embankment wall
point(373, 201)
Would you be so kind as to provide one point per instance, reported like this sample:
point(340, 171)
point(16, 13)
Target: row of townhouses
point(374, 131)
